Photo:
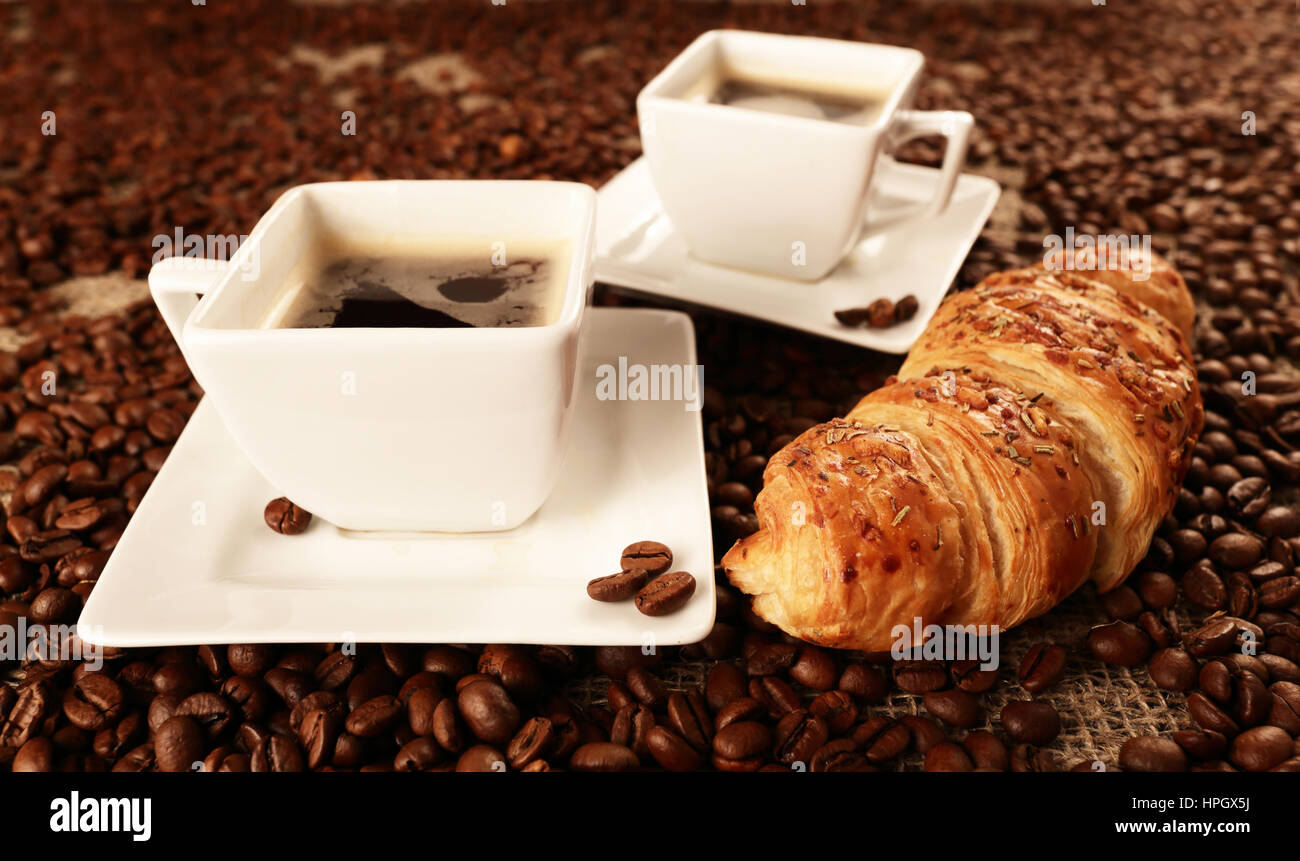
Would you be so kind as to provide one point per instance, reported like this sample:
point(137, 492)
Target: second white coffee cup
point(776, 193)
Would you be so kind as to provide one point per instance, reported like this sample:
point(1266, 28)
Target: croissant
point(1032, 440)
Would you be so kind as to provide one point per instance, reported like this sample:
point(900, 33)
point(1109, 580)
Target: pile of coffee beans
point(642, 579)
point(880, 314)
point(1201, 160)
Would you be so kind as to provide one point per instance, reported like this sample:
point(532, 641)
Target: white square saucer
point(197, 563)
point(637, 248)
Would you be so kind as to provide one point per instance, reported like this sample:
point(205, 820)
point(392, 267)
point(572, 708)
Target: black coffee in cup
point(794, 100)
point(425, 291)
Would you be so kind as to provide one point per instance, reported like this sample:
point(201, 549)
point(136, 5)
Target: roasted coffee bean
point(742, 740)
point(1119, 643)
point(688, 715)
point(1261, 748)
point(743, 709)
point(630, 726)
point(448, 661)
point(919, 677)
point(925, 733)
point(376, 716)
point(286, 518)
point(671, 751)
point(1243, 600)
point(1201, 744)
point(666, 594)
point(165, 425)
point(971, 677)
point(881, 739)
point(485, 758)
point(15, 575)
point(1161, 628)
point(36, 755)
point(1028, 758)
point(1215, 637)
point(953, 707)
point(1279, 668)
point(488, 711)
point(864, 682)
point(603, 756)
point(1149, 753)
point(1204, 588)
point(836, 708)
point(249, 659)
point(646, 687)
point(1284, 711)
point(1208, 715)
point(418, 754)
point(1279, 521)
point(319, 733)
point(724, 683)
point(210, 711)
point(1279, 593)
point(447, 726)
point(94, 701)
point(1030, 722)
point(54, 605)
point(1249, 497)
point(1236, 550)
point(840, 755)
point(334, 671)
point(619, 696)
point(618, 587)
point(771, 659)
point(947, 756)
point(649, 556)
point(814, 668)
point(535, 740)
point(799, 735)
point(1042, 667)
point(178, 744)
point(277, 753)
point(1173, 669)
point(775, 695)
point(1122, 603)
point(1157, 589)
point(987, 751)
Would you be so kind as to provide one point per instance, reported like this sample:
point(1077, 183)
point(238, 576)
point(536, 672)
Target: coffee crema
point(797, 102)
point(788, 97)
point(441, 291)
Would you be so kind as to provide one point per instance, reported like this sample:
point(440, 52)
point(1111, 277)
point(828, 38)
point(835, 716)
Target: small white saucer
point(637, 248)
point(197, 563)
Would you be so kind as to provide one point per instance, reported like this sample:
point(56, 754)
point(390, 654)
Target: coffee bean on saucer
point(880, 313)
point(285, 517)
point(648, 556)
point(906, 308)
point(853, 316)
point(618, 587)
point(667, 594)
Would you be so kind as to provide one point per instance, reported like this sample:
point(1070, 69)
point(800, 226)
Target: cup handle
point(176, 284)
point(955, 126)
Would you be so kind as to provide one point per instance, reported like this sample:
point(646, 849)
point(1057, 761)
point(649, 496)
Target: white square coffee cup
point(419, 429)
point(779, 194)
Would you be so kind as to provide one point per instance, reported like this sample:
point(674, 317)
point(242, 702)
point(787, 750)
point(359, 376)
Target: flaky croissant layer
point(1033, 439)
